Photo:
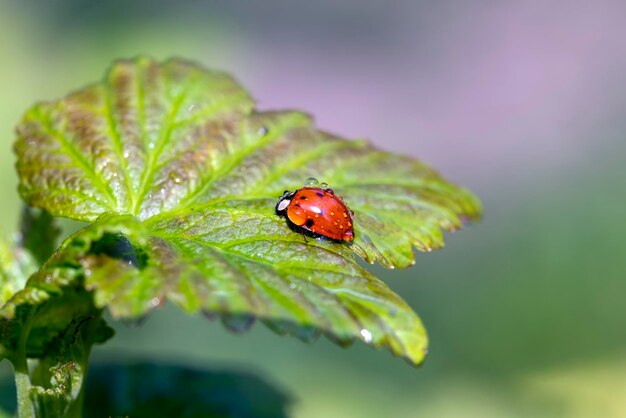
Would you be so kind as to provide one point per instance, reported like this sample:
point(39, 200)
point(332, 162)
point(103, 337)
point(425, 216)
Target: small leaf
point(40, 311)
point(181, 175)
point(16, 265)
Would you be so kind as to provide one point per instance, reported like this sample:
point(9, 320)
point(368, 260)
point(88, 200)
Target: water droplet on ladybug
point(324, 186)
point(311, 181)
point(331, 191)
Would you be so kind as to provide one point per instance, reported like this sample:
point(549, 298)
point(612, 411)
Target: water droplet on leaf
point(367, 336)
point(175, 177)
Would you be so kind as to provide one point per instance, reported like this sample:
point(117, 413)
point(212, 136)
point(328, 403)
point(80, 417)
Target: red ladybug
point(317, 210)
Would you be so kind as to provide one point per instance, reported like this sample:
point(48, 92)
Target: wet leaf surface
point(180, 175)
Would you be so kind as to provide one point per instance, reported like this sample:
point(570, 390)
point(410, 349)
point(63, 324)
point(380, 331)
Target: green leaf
point(37, 311)
point(16, 265)
point(182, 175)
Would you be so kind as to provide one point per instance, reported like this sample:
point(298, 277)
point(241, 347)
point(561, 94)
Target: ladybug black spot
point(309, 223)
point(320, 194)
point(303, 198)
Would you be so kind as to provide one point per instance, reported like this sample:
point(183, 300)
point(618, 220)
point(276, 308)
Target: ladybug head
point(283, 202)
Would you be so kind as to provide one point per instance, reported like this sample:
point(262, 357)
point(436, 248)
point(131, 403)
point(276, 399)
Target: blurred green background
point(523, 102)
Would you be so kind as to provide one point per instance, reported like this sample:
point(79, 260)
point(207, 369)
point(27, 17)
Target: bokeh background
point(523, 102)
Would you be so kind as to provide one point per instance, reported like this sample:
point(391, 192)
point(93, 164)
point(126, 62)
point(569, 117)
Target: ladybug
point(317, 210)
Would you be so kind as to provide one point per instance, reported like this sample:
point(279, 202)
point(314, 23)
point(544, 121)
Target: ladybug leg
point(306, 241)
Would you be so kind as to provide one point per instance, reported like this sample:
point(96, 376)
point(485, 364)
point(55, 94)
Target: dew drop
point(191, 108)
point(151, 145)
point(175, 177)
point(259, 255)
point(311, 181)
point(324, 185)
point(155, 302)
point(367, 336)
point(262, 131)
point(126, 154)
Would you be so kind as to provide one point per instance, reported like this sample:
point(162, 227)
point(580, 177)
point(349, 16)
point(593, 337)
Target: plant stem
point(25, 408)
point(76, 407)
